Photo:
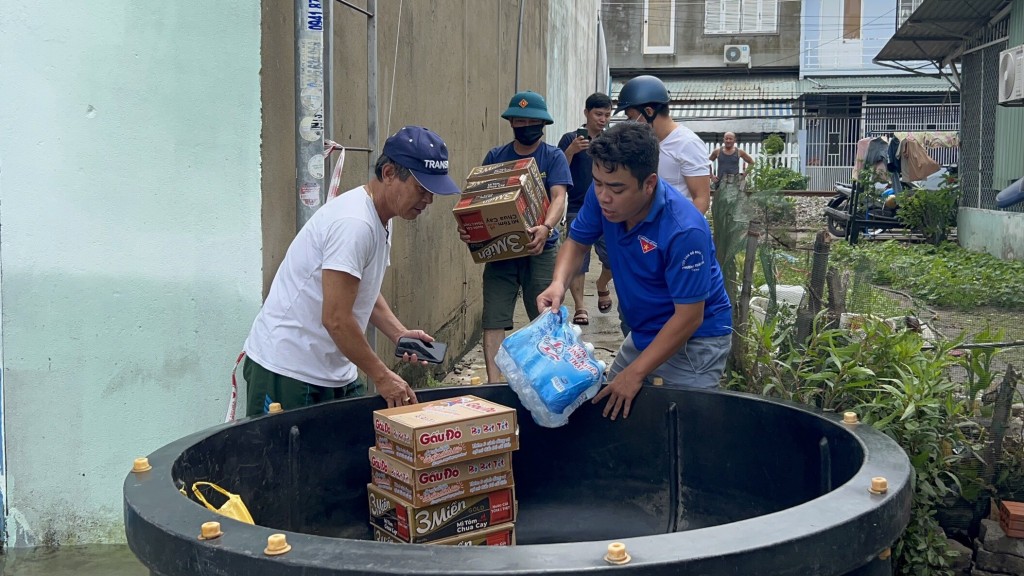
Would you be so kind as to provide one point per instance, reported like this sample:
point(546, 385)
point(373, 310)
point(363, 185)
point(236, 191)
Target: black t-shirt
point(581, 169)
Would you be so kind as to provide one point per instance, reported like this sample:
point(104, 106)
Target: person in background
point(307, 342)
point(527, 114)
point(728, 156)
point(667, 277)
point(597, 110)
point(682, 156)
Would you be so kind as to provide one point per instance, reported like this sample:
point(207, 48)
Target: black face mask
point(527, 135)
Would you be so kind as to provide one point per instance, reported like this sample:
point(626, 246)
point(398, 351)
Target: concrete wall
point(623, 23)
point(1001, 234)
point(454, 73)
point(572, 63)
point(129, 141)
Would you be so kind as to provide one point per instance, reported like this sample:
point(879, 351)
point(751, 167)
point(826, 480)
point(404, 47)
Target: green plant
point(944, 275)
point(898, 386)
point(773, 144)
point(930, 212)
point(765, 176)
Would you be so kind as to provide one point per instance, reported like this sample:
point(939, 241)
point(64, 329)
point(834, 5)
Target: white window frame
point(661, 49)
point(730, 20)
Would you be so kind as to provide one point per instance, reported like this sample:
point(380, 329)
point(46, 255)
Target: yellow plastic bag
point(232, 508)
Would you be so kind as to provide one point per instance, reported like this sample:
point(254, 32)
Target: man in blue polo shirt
point(666, 275)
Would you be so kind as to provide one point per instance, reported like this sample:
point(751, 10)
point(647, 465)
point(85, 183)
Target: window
point(741, 16)
point(851, 19)
point(659, 26)
point(907, 8)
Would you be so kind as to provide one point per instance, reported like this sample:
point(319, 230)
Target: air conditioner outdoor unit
point(737, 54)
point(1011, 76)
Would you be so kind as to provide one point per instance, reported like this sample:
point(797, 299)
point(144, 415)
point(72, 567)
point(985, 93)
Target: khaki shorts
point(698, 364)
point(503, 281)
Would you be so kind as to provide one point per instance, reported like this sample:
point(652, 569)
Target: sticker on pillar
point(309, 193)
point(311, 128)
point(316, 167)
point(312, 99)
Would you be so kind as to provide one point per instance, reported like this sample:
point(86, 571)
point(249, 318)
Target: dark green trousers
point(264, 387)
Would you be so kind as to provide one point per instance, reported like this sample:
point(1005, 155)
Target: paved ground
point(603, 332)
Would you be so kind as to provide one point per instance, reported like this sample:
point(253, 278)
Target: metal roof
point(938, 28)
point(719, 88)
point(875, 85)
point(723, 87)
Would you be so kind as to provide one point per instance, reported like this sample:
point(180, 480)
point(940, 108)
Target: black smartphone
point(582, 132)
point(432, 352)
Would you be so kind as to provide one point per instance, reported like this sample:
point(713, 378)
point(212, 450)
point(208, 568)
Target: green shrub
point(896, 386)
point(930, 212)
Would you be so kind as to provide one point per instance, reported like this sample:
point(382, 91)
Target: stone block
point(993, 539)
point(1005, 563)
point(964, 555)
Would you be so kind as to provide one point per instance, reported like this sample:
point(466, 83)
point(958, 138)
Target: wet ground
point(95, 560)
point(118, 560)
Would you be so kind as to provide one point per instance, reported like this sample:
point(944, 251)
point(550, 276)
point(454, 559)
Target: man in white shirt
point(307, 343)
point(683, 160)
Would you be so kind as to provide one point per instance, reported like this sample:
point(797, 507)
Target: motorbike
point(852, 212)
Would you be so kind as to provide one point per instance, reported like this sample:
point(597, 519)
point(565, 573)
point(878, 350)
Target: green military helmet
point(528, 104)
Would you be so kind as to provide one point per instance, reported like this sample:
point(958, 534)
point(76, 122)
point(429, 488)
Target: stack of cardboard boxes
point(442, 473)
point(498, 205)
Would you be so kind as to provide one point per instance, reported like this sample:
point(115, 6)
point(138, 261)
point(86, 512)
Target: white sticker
point(312, 98)
point(309, 193)
point(316, 167)
point(311, 128)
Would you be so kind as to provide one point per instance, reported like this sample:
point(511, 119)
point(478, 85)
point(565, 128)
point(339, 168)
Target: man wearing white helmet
point(683, 160)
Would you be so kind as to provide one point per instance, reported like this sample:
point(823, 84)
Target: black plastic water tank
point(692, 482)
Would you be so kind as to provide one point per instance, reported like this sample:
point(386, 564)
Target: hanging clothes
point(915, 162)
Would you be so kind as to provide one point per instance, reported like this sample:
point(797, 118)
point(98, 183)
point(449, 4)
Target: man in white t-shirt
point(307, 343)
point(683, 157)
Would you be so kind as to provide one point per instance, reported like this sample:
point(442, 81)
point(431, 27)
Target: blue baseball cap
point(425, 155)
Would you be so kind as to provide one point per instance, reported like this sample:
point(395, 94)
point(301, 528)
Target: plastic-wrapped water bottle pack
point(550, 367)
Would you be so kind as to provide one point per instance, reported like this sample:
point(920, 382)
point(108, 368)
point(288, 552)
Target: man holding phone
point(597, 110)
point(307, 343)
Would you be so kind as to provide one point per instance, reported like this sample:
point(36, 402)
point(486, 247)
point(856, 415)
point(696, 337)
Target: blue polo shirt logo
point(693, 261)
point(646, 245)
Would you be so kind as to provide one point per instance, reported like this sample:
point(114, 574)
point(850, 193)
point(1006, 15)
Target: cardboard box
point(406, 523)
point(487, 216)
point(502, 170)
point(456, 429)
point(504, 247)
point(448, 482)
point(536, 193)
point(500, 535)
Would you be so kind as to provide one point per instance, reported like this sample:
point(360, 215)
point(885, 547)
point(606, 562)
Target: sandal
point(604, 301)
point(582, 317)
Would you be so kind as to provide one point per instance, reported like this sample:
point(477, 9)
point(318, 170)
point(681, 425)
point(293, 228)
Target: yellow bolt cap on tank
point(277, 544)
point(850, 418)
point(617, 554)
point(658, 381)
point(879, 485)
point(210, 530)
point(475, 381)
point(884, 555)
point(141, 465)
point(274, 408)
